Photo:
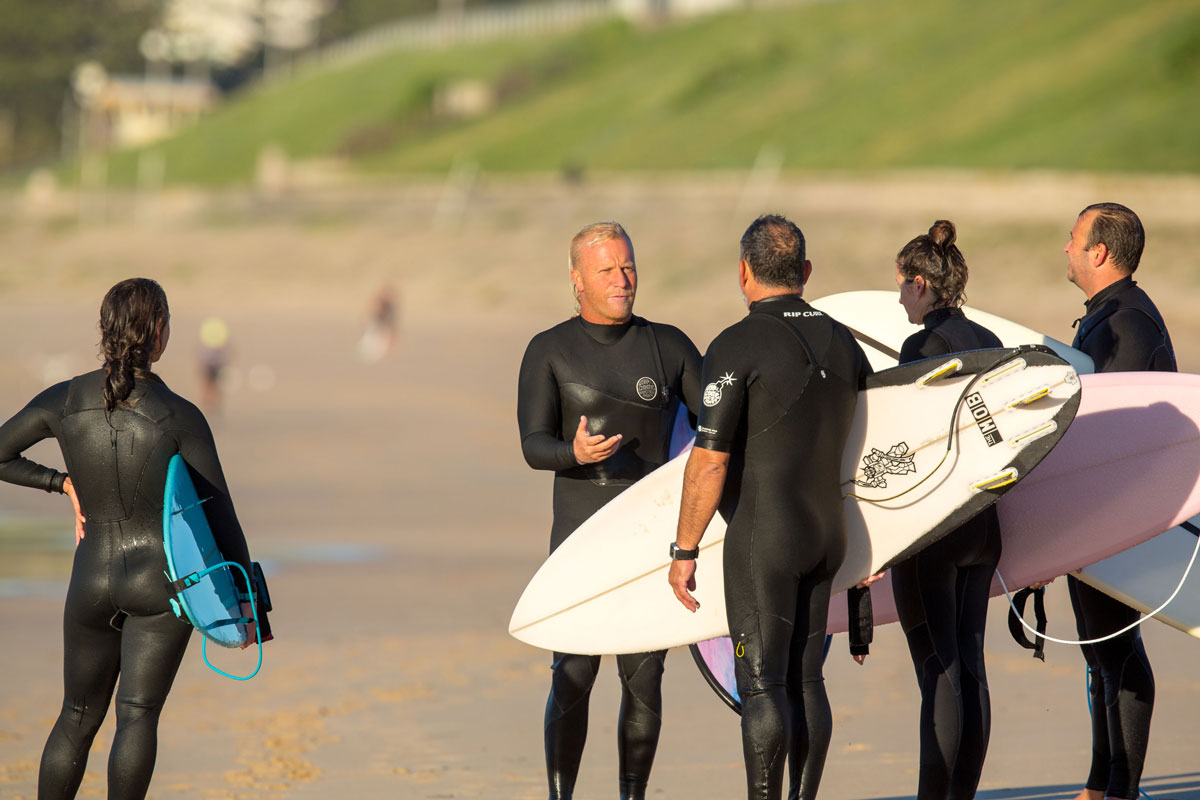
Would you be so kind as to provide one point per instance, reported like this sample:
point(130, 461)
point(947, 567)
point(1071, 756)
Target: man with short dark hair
point(781, 388)
point(1123, 332)
point(596, 402)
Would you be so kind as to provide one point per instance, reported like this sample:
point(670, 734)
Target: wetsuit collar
point(1109, 292)
point(939, 315)
point(776, 298)
point(606, 334)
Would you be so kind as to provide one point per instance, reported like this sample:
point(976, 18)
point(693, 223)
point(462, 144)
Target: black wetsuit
point(1123, 332)
point(941, 599)
point(626, 379)
point(117, 619)
point(780, 391)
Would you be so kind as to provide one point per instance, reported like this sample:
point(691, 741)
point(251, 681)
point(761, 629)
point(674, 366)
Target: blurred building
point(128, 111)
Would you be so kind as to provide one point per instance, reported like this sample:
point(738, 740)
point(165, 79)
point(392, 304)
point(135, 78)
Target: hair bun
point(943, 233)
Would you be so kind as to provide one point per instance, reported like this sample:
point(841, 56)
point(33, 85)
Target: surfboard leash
point(1126, 629)
point(190, 580)
point(257, 635)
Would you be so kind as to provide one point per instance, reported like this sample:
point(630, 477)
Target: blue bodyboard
point(205, 597)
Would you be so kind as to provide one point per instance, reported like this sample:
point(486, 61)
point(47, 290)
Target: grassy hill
point(859, 84)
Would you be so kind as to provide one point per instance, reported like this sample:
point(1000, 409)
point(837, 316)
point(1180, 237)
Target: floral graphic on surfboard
point(712, 392)
point(878, 464)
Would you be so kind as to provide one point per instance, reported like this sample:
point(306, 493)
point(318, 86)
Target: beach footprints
point(276, 756)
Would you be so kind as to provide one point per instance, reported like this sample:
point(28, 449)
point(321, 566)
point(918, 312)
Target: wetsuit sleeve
point(538, 413)
point(691, 381)
point(1128, 341)
point(27, 427)
point(923, 344)
point(724, 377)
point(865, 370)
point(690, 365)
point(199, 450)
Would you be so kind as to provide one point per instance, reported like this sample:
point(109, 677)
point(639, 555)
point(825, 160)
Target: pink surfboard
point(1126, 470)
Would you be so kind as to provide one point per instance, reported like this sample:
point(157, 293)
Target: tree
point(40, 45)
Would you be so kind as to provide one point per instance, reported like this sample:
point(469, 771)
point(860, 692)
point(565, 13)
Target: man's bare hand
point(866, 582)
point(251, 627)
point(69, 490)
point(682, 578)
point(592, 449)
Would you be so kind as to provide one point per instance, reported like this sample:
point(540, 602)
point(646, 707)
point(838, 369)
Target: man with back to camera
point(596, 403)
point(781, 388)
point(1123, 332)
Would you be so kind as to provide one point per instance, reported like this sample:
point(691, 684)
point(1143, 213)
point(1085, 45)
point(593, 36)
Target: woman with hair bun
point(942, 591)
point(117, 428)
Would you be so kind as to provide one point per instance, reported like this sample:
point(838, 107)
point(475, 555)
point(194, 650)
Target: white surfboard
point(881, 325)
point(1143, 576)
point(910, 476)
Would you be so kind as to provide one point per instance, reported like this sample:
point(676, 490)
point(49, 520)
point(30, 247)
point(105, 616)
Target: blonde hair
point(592, 235)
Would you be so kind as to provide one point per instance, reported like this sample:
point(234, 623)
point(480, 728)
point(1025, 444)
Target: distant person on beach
point(214, 359)
point(781, 388)
point(596, 401)
point(383, 326)
point(117, 428)
point(1123, 332)
point(942, 592)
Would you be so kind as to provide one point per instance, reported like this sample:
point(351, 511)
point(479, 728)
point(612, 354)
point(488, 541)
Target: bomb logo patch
point(712, 392)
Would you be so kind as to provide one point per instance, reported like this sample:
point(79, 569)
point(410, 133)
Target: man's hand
point(251, 628)
point(69, 490)
point(682, 578)
point(866, 582)
point(592, 449)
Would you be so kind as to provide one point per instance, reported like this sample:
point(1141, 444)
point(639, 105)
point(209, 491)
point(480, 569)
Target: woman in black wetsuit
point(942, 592)
point(117, 428)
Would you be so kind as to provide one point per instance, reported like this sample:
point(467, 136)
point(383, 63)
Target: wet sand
point(399, 523)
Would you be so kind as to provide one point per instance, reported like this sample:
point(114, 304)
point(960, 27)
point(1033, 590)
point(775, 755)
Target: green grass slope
point(858, 84)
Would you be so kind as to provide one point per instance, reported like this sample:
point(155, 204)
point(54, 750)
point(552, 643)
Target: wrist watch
point(683, 555)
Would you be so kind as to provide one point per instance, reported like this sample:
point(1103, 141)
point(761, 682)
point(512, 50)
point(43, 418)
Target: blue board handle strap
point(222, 623)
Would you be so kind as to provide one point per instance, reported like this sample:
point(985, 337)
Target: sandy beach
point(398, 522)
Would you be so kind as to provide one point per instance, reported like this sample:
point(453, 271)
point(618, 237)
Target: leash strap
point(1017, 612)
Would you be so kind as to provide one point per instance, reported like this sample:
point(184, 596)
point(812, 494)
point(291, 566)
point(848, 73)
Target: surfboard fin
point(1005, 477)
point(1036, 433)
point(996, 374)
point(1031, 398)
point(943, 370)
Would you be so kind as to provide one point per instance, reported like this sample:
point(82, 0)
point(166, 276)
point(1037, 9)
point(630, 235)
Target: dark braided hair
point(935, 258)
point(129, 320)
